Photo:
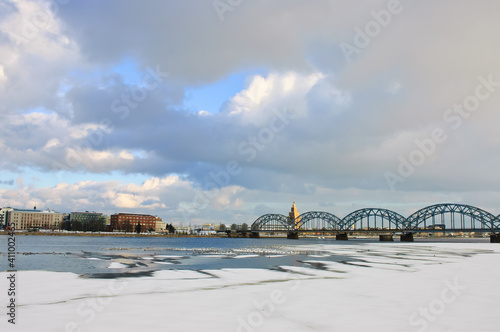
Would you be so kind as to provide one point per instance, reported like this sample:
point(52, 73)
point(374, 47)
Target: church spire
point(294, 215)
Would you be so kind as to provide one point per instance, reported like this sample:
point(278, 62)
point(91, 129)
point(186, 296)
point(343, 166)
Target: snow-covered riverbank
point(403, 287)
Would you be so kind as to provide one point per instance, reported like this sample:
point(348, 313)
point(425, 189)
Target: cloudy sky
point(221, 111)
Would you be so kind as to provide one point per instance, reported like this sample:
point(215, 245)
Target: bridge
point(445, 217)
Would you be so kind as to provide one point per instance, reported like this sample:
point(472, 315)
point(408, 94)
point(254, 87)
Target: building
point(294, 216)
point(34, 219)
point(160, 225)
point(3, 215)
point(208, 227)
point(127, 222)
point(87, 221)
point(184, 230)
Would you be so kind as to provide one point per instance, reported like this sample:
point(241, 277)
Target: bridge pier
point(341, 237)
point(293, 235)
point(495, 238)
point(407, 237)
point(386, 238)
point(255, 235)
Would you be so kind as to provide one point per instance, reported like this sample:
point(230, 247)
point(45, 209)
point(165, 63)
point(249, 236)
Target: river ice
point(398, 287)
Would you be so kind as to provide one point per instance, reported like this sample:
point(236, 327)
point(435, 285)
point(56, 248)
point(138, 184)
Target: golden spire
point(294, 215)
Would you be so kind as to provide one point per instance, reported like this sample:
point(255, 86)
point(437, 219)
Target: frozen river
point(189, 284)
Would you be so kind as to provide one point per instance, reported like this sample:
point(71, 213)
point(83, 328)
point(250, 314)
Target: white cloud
point(34, 56)
point(3, 77)
point(52, 143)
point(204, 113)
point(271, 92)
point(109, 196)
point(227, 198)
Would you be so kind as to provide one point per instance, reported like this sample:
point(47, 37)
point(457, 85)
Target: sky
point(209, 111)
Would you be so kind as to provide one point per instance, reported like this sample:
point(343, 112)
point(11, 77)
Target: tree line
point(234, 227)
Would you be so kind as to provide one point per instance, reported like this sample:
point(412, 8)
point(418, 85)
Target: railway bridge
point(444, 217)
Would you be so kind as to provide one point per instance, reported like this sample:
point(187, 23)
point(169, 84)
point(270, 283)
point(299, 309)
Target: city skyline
point(224, 111)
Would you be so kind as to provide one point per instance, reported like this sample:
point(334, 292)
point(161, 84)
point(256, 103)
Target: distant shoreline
point(109, 234)
point(97, 234)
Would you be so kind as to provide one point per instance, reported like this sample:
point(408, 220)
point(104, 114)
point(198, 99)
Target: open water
point(108, 257)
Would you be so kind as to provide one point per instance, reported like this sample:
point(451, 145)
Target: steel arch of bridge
point(413, 222)
point(331, 221)
point(273, 222)
point(393, 218)
point(487, 220)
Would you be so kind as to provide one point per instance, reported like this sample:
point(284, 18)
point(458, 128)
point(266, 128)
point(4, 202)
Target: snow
point(407, 287)
point(245, 256)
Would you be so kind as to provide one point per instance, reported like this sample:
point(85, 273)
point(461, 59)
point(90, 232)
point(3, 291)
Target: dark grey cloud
point(187, 38)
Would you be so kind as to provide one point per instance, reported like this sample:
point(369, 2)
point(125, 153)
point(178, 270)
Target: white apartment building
point(28, 219)
point(160, 225)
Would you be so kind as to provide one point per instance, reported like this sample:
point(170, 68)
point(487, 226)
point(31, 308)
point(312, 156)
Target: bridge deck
point(385, 231)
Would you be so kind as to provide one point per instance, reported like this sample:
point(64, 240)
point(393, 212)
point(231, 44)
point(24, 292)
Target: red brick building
point(127, 222)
